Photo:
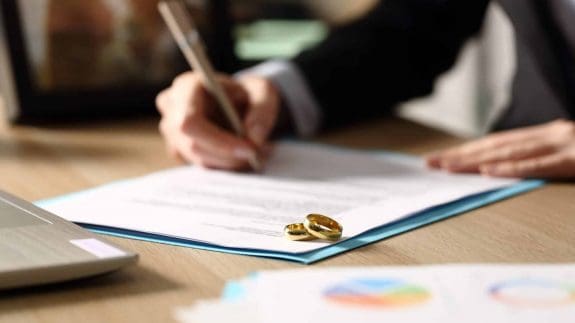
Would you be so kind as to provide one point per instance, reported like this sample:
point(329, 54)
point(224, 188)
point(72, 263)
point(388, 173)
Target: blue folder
point(411, 222)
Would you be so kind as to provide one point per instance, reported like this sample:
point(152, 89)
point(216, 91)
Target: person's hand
point(544, 151)
point(191, 122)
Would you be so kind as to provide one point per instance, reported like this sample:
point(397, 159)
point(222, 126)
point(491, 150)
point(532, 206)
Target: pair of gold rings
point(315, 226)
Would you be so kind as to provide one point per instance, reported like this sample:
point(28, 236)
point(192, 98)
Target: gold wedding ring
point(297, 232)
point(323, 227)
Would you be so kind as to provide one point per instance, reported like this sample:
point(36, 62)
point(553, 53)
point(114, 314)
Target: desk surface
point(38, 163)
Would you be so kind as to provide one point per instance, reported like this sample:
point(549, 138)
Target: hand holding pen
point(191, 121)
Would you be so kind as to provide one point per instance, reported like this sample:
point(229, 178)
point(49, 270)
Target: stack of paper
point(448, 293)
point(373, 195)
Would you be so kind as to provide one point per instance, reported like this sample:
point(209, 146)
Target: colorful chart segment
point(377, 293)
point(533, 293)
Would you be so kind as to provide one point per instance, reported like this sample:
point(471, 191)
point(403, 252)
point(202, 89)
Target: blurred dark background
point(89, 59)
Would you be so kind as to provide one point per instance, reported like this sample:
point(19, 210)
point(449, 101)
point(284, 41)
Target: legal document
point(361, 190)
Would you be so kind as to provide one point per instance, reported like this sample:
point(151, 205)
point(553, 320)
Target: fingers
point(548, 166)
point(219, 142)
point(189, 131)
point(509, 152)
point(201, 142)
point(546, 150)
point(190, 123)
point(202, 157)
point(513, 144)
point(189, 95)
point(163, 101)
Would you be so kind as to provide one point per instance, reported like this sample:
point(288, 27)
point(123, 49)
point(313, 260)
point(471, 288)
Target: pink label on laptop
point(98, 248)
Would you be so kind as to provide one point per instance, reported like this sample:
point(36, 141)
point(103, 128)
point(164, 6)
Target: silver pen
point(181, 25)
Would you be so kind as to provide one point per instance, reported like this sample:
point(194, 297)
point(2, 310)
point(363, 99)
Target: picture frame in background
point(63, 60)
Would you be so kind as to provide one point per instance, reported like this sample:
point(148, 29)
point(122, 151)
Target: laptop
point(38, 247)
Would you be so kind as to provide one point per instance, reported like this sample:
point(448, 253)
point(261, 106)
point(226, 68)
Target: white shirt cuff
point(297, 95)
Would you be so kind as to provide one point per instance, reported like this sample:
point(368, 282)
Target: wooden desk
point(38, 163)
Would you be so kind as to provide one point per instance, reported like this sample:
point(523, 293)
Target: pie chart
point(377, 293)
point(533, 293)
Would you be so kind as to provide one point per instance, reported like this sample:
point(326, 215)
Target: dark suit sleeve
point(391, 55)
